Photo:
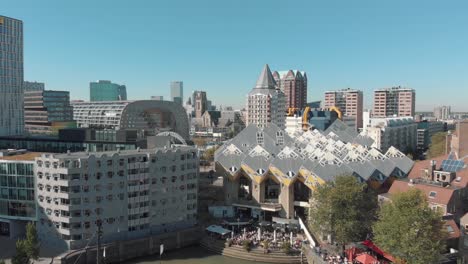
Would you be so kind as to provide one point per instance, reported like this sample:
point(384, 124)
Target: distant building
point(265, 103)
point(426, 129)
point(148, 117)
point(399, 132)
point(33, 86)
point(107, 91)
point(349, 102)
point(200, 103)
point(395, 101)
point(17, 197)
point(314, 104)
point(177, 92)
point(46, 111)
point(157, 98)
point(303, 120)
point(293, 83)
point(442, 112)
point(11, 77)
point(132, 194)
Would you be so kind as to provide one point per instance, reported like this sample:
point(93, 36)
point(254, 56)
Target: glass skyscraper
point(177, 91)
point(11, 76)
point(107, 91)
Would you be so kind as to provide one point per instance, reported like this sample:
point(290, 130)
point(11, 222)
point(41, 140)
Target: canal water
point(190, 255)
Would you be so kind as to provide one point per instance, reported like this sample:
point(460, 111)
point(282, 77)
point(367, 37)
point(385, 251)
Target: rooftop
point(21, 155)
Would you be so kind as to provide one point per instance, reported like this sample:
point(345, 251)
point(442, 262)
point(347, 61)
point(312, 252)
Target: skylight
point(432, 194)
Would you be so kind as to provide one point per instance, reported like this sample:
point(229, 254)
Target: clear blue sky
point(221, 46)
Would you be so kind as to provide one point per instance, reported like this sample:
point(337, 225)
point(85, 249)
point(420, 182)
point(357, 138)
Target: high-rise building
point(107, 91)
point(33, 86)
point(395, 101)
point(293, 83)
point(177, 92)
point(200, 103)
point(45, 112)
point(11, 77)
point(442, 112)
point(265, 103)
point(349, 102)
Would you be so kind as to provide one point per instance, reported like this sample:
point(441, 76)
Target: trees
point(27, 249)
point(344, 208)
point(21, 256)
point(409, 230)
point(32, 241)
point(437, 146)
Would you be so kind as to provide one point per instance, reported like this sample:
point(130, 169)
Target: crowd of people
point(266, 234)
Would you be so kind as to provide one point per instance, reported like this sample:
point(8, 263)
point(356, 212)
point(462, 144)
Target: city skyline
point(387, 44)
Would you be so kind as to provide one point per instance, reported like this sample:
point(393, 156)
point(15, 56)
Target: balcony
point(266, 206)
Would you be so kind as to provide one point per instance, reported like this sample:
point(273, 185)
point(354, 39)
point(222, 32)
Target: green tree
point(437, 146)
point(21, 256)
point(409, 230)
point(344, 208)
point(32, 241)
point(209, 153)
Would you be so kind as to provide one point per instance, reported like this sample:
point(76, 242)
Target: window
point(260, 138)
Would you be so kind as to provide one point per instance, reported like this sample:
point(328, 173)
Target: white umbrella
point(232, 233)
point(291, 238)
point(244, 233)
point(274, 235)
point(259, 234)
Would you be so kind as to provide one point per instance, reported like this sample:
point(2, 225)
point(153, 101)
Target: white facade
point(132, 193)
point(265, 103)
point(11, 77)
point(442, 112)
point(399, 132)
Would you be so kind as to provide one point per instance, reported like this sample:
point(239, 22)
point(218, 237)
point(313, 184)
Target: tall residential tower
point(349, 102)
point(395, 101)
point(265, 103)
point(11, 77)
point(294, 85)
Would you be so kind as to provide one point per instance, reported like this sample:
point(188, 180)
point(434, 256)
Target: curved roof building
point(141, 115)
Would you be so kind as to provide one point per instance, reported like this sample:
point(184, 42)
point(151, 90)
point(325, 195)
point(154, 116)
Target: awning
point(218, 230)
point(284, 221)
point(264, 223)
point(377, 250)
point(366, 259)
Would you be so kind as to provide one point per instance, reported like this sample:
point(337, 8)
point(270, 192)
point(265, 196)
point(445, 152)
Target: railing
point(312, 242)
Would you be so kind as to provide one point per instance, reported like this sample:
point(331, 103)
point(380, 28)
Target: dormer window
point(260, 138)
point(432, 194)
point(279, 138)
point(260, 171)
point(290, 174)
point(233, 169)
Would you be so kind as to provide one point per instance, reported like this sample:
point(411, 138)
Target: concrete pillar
point(256, 193)
point(286, 199)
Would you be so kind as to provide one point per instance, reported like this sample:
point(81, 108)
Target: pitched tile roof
point(442, 195)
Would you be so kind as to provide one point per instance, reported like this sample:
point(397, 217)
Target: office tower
point(395, 101)
point(293, 83)
point(177, 92)
point(107, 91)
point(200, 103)
point(45, 112)
point(265, 103)
point(442, 112)
point(349, 102)
point(134, 194)
point(157, 98)
point(11, 77)
point(33, 86)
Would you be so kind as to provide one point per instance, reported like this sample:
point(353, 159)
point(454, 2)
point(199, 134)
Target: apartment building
point(395, 101)
point(349, 102)
point(293, 83)
point(131, 194)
